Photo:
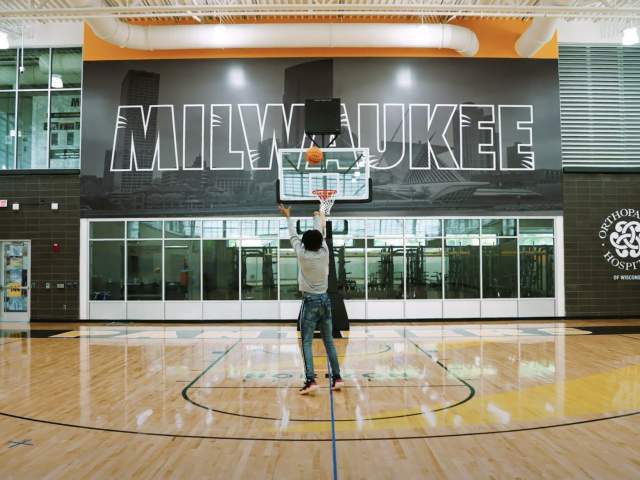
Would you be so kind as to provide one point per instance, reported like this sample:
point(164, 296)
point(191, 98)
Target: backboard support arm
point(322, 142)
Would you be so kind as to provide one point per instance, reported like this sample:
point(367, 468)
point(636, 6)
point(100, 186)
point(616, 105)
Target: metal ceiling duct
point(539, 33)
point(288, 35)
point(536, 36)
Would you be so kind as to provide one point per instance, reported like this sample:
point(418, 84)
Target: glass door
point(14, 281)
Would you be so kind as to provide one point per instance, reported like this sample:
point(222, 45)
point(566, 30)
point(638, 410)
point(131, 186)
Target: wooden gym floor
point(460, 401)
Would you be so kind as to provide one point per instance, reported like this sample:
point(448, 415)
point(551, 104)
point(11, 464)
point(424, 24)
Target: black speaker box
point(322, 116)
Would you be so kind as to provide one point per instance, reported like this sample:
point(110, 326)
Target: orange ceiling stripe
point(497, 39)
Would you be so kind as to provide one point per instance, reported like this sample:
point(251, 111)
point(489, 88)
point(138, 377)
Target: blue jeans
point(316, 313)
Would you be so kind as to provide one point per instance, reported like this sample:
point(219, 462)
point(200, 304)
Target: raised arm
point(293, 235)
point(320, 222)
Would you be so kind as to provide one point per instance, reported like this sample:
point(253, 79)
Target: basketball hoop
point(326, 198)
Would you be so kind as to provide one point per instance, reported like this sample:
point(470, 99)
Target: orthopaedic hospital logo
point(620, 234)
point(626, 240)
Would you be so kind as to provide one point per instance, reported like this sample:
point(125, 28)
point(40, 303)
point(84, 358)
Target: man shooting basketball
point(313, 280)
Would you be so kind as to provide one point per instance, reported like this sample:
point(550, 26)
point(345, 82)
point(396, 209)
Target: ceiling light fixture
point(630, 36)
point(4, 41)
point(56, 81)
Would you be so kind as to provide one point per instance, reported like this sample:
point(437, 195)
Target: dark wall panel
point(36, 221)
point(197, 137)
point(600, 279)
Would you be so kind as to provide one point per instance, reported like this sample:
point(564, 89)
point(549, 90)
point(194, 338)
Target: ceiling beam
point(402, 8)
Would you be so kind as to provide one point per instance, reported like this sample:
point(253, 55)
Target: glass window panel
point(107, 229)
point(232, 228)
point(213, 229)
point(221, 228)
point(462, 268)
point(107, 270)
point(384, 226)
point(501, 227)
point(305, 224)
point(220, 269)
point(288, 272)
point(423, 227)
point(537, 277)
point(260, 228)
point(536, 226)
point(350, 266)
point(36, 68)
point(339, 226)
point(499, 268)
point(283, 228)
point(424, 268)
point(182, 270)
point(8, 69)
point(66, 64)
point(182, 228)
point(7, 128)
point(144, 229)
point(144, 270)
point(259, 269)
point(64, 142)
point(462, 226)
point(385, 262)
point(354, 228)
point(33, 108)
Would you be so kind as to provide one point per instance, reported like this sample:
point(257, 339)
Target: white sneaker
point(337, 383)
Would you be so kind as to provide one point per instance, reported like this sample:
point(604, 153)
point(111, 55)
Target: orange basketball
point(314, 156)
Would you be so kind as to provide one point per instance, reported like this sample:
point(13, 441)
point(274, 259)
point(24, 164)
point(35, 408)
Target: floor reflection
point(401, 380)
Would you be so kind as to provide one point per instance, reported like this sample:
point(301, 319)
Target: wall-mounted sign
point(3, 203)
point(620, 237)
point(14, 290)
point(203, 136)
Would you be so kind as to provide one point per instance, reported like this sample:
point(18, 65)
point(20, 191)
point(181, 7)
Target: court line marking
point(185, 395)
point(357, 355)
point(363, 386)
point(17, 443)
point(203, 373)
point(260, 439)
point(472, 391)
point(415, 437)
point(333, 425)
point(588, 329)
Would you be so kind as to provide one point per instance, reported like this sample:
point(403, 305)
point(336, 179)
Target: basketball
point(314, 156)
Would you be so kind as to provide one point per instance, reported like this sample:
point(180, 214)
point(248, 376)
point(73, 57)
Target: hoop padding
point(326, 197)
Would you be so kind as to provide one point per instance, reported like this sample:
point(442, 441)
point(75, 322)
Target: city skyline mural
point(201, 137)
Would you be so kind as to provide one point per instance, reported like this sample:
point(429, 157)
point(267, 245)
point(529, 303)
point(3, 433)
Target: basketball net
point(326, 198)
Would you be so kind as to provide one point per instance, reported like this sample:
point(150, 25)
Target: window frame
point(17, 90)
point(275, 231)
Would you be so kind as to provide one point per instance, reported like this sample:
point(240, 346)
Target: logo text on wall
point(620, 239)
point(229, 136)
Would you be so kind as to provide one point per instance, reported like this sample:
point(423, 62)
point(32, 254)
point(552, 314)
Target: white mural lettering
point(479, 137)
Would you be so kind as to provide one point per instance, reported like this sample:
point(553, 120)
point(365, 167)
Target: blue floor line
point(333, 426)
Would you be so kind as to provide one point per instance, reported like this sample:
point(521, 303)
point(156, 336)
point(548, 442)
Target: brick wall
point(36, 221)
point(589, 280)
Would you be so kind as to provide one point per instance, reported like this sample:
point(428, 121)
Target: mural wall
point(200, 137)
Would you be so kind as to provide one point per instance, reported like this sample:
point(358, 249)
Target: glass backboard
point(345, 170)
